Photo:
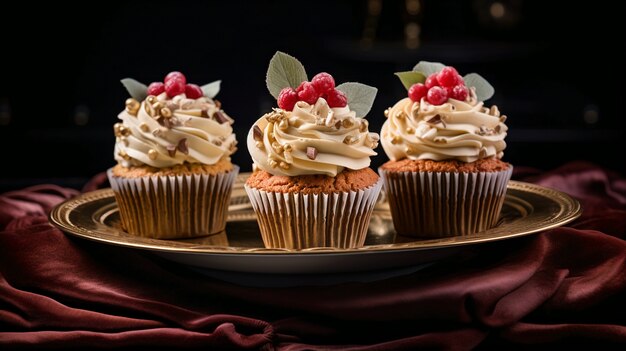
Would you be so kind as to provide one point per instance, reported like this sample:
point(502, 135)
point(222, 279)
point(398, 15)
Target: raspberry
point(308, 93)
point(287, 99)
point(176, 75)
point(437, 95)
point(156, 88)
point(448, 77)
point(460, 92)
point(323, 83)
point(460, 80)
point(431, 81)
point(193, 91)
point(174, 86)
point(336, 98)
point(417, 92)
point(301, 86)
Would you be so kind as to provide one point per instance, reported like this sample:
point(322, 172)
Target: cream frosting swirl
point(461, 130)
point(162, 132)
point(311, 139)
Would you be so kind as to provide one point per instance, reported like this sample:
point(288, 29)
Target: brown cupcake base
point(443, 204)
point(173, 206)
point(296, 220)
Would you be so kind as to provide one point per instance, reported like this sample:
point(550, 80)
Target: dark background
point(556, 79)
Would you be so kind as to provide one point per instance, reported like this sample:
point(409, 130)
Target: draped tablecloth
point(565, 287)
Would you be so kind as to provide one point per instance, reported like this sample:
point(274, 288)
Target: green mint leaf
point(411, 77)
point(484, 90)
point(428, 68)
point(284, 71)
point(136, 90)
point(210, 90)
point(360, 97)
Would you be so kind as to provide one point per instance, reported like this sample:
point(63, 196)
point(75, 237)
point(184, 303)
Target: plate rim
point(570, 210)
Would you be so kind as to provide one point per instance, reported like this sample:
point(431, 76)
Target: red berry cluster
point(174, 84)
point(322, 85)
point(438, 87)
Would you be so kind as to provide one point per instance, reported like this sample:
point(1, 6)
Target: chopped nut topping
point(132, 106)
point(151, 99)
point(401, 115)
point(277, 147)
point(123, 155)
point(275, 116)
point(152, 154)
point(183, 146)
point(351, 139)
point(484, 131)
point(494, 111)
point(311, 152)
point(220, 117)
point(257, 133)
point(363, 126)
point(171, 150)
point(166, 112)
point(348, 122)
point(435, 119)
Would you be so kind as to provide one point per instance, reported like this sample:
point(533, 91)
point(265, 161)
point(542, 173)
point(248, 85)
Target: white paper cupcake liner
point(442, 204)
point(173, 207)
point(299, 221)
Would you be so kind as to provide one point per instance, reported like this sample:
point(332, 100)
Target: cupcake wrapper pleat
point(173, 207)
point(442, 204)
point(299, 221)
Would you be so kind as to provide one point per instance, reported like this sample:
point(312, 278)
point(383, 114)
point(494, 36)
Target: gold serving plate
point(527, 209)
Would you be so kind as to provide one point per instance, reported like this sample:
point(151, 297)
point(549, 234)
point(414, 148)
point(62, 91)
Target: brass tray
point(527, 209)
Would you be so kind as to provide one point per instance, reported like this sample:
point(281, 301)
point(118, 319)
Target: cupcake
point(173, 177)
point(312, 185)
point(445, 176)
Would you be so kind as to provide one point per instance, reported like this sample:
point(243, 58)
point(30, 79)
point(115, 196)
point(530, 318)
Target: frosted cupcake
point(312, 185)
point(173, 177)
point(445, 176)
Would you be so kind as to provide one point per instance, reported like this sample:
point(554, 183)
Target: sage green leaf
point(210, 90)
point(428, 68)
point(360, 97)
point(136, 90)
point(284, 71)
point(484, 90)
point(410, 77)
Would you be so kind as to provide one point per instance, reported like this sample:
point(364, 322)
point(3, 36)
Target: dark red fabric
point(561, 288)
